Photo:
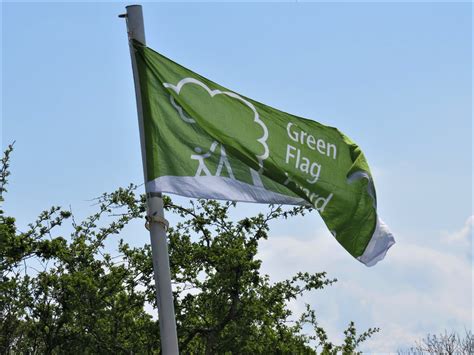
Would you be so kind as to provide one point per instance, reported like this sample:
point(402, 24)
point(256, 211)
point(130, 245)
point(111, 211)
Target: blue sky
point(395, 77)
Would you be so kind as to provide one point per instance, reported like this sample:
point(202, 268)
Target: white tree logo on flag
point(202, 169)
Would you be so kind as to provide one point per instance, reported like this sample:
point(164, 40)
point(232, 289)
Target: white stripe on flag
point(224, 188)
point(219, 188)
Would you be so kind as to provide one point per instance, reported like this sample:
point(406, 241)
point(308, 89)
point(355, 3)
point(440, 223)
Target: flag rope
point(156, 219)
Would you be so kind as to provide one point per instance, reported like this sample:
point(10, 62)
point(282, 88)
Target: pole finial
point(135, 5)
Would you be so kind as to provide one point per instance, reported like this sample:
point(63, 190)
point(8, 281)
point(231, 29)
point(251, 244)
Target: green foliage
point(70, 295)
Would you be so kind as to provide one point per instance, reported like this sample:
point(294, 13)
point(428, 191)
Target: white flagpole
point(157, 223)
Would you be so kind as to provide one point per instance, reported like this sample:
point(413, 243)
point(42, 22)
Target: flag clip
point(156, 219)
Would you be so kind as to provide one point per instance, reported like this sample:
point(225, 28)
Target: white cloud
point(417, 289)
point(462, 236)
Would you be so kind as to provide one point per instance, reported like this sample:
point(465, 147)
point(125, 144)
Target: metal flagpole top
point(134, 17)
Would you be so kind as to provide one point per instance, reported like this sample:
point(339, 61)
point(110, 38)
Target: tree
point(70, 295)
point(446, 344)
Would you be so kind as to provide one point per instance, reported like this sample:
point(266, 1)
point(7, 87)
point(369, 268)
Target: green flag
point(203, 140)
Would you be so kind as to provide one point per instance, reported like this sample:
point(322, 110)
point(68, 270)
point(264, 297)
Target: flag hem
point(382, 240)
point(219, 188)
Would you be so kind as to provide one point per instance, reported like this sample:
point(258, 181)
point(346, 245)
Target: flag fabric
point(205, 141)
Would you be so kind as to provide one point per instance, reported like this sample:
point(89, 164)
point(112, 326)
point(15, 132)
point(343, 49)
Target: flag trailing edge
point(205, 141)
